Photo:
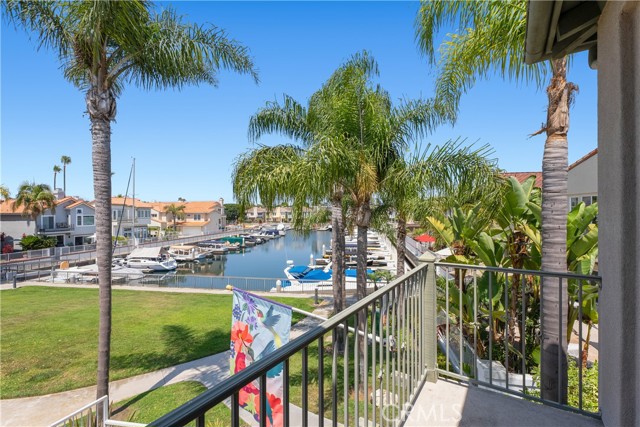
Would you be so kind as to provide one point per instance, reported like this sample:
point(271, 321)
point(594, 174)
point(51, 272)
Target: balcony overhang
point(561, 27)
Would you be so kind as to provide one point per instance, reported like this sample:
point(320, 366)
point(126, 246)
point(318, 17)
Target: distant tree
point(176, 212)
point(4, 192)
point(56, 171)
point(65, 160)
point(182, 199)
point(232, 210)
point(36, 199)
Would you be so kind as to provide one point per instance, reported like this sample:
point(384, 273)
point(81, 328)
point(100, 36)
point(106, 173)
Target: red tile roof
point(522, 177)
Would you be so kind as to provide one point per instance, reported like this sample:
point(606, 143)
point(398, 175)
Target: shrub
point(37, 242)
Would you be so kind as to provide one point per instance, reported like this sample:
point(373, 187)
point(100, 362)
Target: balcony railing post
point(429, 342)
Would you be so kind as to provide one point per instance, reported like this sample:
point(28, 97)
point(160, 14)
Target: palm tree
point(325, 166)
point(491, 41)
point(56, 171)
point(35, 199)
point(176, 212)
point(432, 180)
point(65, 160)
point(104, 45)
point(4, 192)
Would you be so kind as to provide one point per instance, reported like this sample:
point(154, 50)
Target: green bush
point(37, 242)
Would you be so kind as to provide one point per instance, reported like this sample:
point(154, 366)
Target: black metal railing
point(366, 363)
point(490, 332)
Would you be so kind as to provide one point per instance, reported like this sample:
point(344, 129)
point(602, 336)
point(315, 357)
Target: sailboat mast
point(134, 200)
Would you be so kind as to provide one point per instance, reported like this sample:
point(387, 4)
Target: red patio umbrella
point(424, 238)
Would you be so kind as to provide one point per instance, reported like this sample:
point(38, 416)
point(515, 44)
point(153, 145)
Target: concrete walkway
point(209, 371)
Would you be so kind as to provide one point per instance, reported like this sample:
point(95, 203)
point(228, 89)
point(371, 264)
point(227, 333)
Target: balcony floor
point(450, 403)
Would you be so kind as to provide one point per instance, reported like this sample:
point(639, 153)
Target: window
point(573, 202)
point(197, 217)
point(144, 213)
point(587, 200)
point(117, 214)
point(79, 211)
point(154, 215)
point(88, 220)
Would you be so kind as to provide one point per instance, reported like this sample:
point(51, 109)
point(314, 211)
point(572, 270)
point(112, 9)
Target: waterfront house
point(72, 221)
point(256, 214)
point(130, 217)
point(13, 223)
point(582, 181)
point(200, 217)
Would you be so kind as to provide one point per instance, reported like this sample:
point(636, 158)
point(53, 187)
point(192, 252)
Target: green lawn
point(49, 335)
point(147, 407)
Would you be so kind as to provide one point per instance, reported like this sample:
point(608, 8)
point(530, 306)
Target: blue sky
point(185, 141)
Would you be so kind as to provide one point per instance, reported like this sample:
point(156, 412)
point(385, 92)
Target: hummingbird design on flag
point(269, 321)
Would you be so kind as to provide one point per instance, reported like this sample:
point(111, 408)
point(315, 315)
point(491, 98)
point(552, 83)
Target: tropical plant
point(37, 242)
point(56, 171)
point(5, 194)
point(176, 212)
point(35, 199)
point(321, 168)
point(104, 45)
point(490, 41)
point(65, 160)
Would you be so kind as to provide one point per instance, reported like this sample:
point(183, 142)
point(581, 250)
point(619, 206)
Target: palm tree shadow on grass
point(181, 344)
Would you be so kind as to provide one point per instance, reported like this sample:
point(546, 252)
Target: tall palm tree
point(176, 212)
point(65, 160)
point(491, 41)
point(103, 45)
point(432, 179)
point(56, 171)
point(35, 199)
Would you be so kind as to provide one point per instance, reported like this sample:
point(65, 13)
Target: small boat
point(214, 247)
point(188, 253)
point(89, 273)
point(156, 259)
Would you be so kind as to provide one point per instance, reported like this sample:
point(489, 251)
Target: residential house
point(13, 224)
point(582, 182)
point(72, 221)
point(130, 217)
point(256, 214)
point(200, 218)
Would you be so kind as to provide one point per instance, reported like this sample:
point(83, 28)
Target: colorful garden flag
point(259, 327)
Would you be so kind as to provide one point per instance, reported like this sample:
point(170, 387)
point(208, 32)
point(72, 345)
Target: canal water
point(261, 261)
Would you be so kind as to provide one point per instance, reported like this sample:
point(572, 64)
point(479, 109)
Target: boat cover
point(146, 252)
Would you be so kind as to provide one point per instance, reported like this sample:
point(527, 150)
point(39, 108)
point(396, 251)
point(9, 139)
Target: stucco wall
point(619, 219)
point(15, 226)
point(583, 179)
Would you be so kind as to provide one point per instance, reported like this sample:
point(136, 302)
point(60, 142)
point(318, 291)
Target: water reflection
point(266, 260)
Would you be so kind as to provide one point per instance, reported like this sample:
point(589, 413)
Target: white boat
point(188, 253)
point(89, 273)
point(156, 259)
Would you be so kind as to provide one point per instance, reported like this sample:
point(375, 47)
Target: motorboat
point(89, 273)
point(188, 253)
point(214, 247)
point(156, 259)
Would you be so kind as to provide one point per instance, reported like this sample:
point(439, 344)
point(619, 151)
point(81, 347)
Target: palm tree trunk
point(554, 237)
point(401, 247)
point(337, 258)
point(363, 220)
point(102, 106)
point(54, 181)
